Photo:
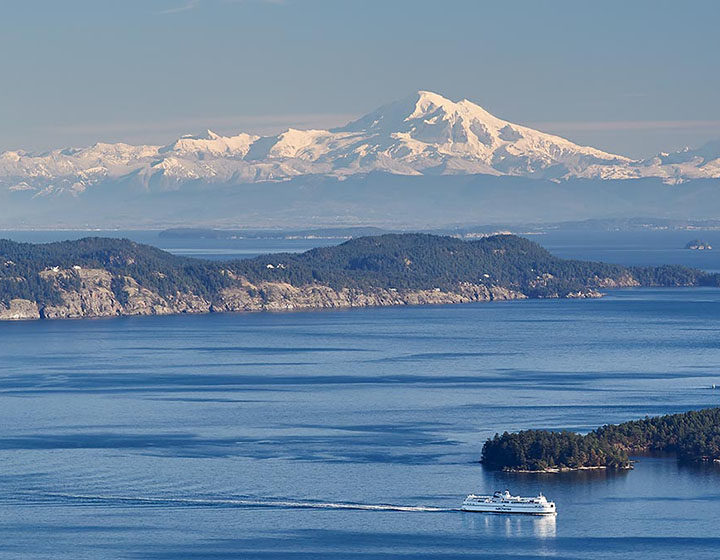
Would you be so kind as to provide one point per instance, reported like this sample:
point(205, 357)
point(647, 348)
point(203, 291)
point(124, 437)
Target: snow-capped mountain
point(424, 134)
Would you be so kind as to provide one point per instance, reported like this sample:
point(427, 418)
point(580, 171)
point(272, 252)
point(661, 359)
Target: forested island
point(96, 277)
point(693, 436)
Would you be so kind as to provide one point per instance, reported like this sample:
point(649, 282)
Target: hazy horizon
point(629, 79)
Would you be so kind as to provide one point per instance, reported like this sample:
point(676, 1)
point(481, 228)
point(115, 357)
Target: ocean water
point(349, 434)
point(355, 434)
point(635, 248)
point(210, 249)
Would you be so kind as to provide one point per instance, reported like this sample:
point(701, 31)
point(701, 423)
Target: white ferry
point(504, 502)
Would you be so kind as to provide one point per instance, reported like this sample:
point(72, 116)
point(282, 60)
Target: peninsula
point(101, 277)
point(693, 436)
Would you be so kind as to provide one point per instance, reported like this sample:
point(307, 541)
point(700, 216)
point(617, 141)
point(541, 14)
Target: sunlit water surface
point(350, 434)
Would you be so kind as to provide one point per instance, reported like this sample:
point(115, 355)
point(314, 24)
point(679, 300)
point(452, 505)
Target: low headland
point(698, 245)
point(692, 436)
point(103, 277)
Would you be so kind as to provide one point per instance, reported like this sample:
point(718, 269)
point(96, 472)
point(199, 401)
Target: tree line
point(398, 261)
point(692, 436)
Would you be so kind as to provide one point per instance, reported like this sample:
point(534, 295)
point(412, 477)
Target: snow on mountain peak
point(211, 143)
point(428, 102)
point(430, 132)
point(423, 133)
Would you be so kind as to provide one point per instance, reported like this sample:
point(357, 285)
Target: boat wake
point(233, 502)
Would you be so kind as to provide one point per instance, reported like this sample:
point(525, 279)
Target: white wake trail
point(244, 502)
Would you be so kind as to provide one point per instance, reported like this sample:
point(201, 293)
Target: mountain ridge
point(422, 134)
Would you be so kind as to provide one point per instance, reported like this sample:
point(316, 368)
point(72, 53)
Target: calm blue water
point(212, 249)
point(253, 436)
point(350, 434)
point(637, 248)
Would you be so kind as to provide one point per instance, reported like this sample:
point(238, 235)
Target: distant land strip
point(103, 277)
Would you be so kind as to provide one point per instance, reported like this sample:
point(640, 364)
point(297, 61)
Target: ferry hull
point(504, 502)
point(506, 509)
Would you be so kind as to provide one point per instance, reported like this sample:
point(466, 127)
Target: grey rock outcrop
point(19, 310)
point(89, 293)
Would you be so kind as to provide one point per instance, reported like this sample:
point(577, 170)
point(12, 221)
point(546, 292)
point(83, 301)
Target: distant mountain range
point(424, 135)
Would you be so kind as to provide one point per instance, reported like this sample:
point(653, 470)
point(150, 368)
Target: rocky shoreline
point(553, 470)
point(95, 297)
point(105, 277)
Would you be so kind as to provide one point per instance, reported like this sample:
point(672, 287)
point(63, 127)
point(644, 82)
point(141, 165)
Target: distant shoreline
point(554, 470)
point(105, 277)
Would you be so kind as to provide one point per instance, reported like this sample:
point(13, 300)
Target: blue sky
point(629, 77)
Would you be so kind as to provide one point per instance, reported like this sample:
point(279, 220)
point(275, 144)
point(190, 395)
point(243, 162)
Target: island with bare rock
point(102, 277)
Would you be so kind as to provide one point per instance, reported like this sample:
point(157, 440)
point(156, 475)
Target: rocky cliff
point(95, 298)
point(107, 277)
